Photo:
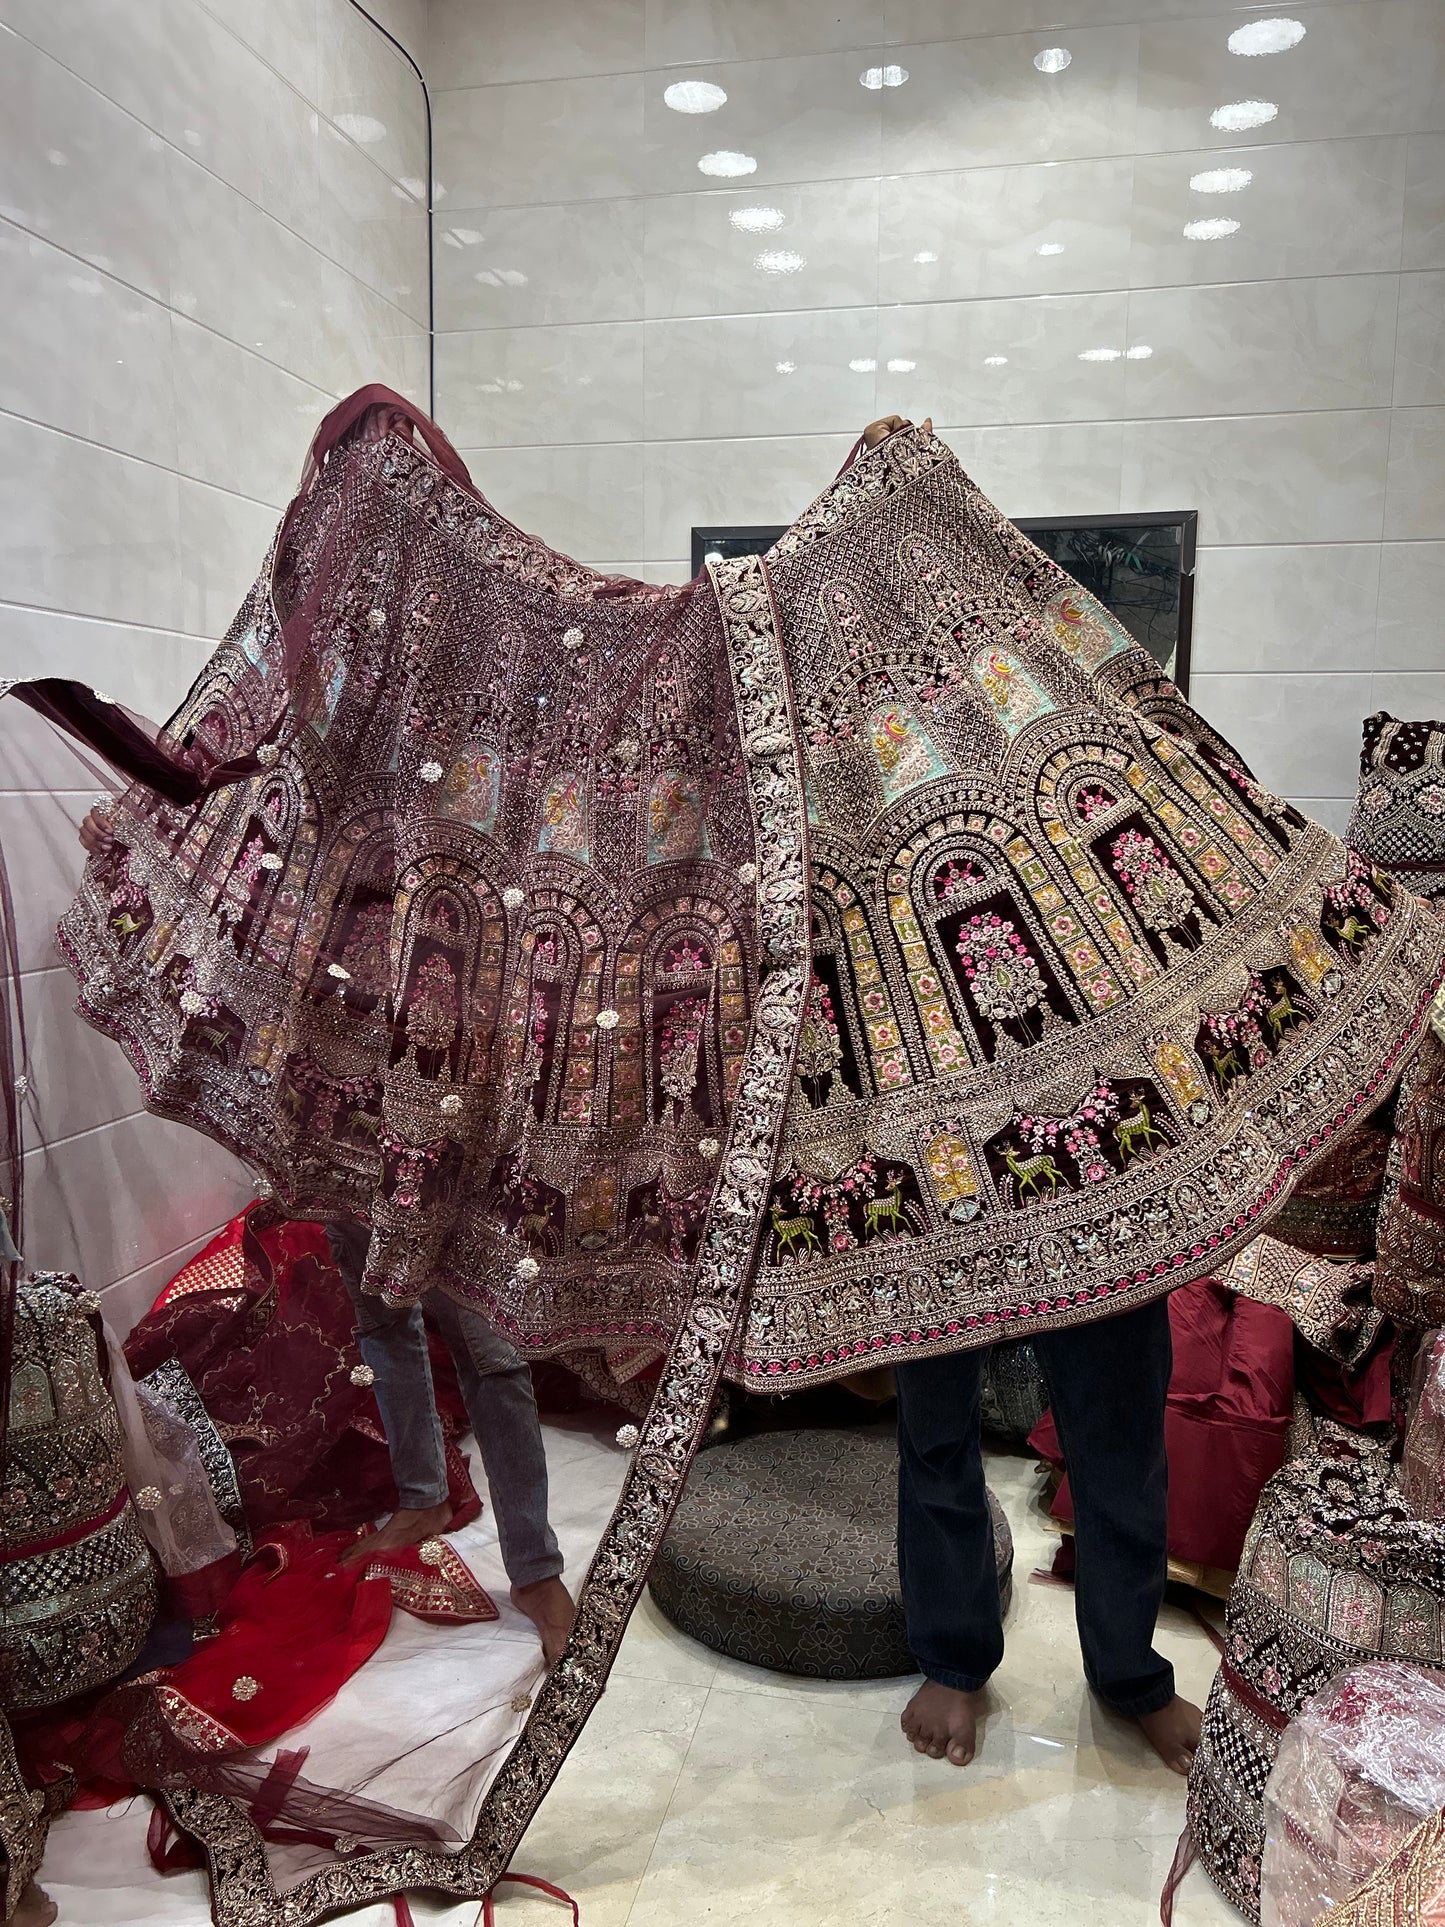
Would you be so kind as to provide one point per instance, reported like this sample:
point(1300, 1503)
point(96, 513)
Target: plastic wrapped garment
point(1407, 1891)
point(1356, 1772)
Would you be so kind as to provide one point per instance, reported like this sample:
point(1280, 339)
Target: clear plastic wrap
point(1356, 1773)
point(1422, 1465)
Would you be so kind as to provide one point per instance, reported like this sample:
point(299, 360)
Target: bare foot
point(36, 1909)
point(548, 1604)
point(404, 1528)
point(1173, 1732)
point(943, 1722)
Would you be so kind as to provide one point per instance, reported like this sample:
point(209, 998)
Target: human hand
point(879, 431)
point(96, 834)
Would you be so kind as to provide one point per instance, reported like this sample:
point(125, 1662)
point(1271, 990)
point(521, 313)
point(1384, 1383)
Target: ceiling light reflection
point(1052, 60)
point(925, 257)
point(778, 261)
point(1238, 115)
point(995, 361)
point(787, 367)
point(694, 97)
point(1049, 247)
point(726, 162)
point(1221, 180)
point(863, 364)
point(1266, 37)
point(1141, 353)
point(362, 127)
point(1100, 354)
point(1217, 229)
point(890, 76)
point(899, 366)
point(757, 220)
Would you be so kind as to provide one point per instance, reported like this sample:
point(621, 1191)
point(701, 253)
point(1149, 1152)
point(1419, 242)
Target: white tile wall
point(212, 225)
point(630, 346)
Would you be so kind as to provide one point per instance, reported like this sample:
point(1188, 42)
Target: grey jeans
point(496, 1388)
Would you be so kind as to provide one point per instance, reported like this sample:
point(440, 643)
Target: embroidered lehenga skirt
point(858, 954)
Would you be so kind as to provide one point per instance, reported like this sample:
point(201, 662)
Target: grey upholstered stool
point(783, 1553)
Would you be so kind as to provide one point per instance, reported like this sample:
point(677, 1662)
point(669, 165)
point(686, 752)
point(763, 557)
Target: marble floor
point(704, 1790)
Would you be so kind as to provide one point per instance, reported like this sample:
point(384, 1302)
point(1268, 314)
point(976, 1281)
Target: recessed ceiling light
point(1266, 37)
point(1100, 354)
point(1215, 230)
point(1052, 60)
point(1141, 353)
point(889, 76)
point(995, 361)
point(778, 261)
point(863, 365)
point(925, 257)
point(726, 162)
point(900, 367)
point(1049, 247)
point(1240, 114)
point(757, 220)
point(787, 367)
point(1221, 180)
point(694, 97)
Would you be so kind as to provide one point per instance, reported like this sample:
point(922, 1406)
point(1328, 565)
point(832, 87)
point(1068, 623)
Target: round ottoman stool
point(783, 1553)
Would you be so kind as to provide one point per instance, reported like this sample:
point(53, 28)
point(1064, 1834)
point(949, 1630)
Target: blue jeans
point(1107, 1382)
point(496, 1387)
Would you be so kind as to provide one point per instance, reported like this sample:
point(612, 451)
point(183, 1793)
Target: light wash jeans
point(496, 1387)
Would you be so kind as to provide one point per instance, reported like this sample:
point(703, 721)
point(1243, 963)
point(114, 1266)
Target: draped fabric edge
point(244, 1893)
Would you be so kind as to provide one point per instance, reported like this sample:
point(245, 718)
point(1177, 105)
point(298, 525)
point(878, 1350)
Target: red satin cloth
point(293, 1629)
point(261, 1322)
point(1237, 1365)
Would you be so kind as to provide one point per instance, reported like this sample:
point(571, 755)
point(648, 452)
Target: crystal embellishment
point(245, 1688)
point(451, 1103)
point(572, 638)
point(430, 772)
point(627, 1436)
point(362, 1375)
point(148, 1498)
point(431, 1552)
point(608, 1019)
point(270, 861)
point(527, 1269)
point(513, 898)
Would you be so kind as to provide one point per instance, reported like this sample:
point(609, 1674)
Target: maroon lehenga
point(857, 954)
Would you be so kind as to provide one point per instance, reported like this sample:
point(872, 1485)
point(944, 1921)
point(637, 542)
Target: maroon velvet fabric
point(262, 1324)
point(1237, 1366)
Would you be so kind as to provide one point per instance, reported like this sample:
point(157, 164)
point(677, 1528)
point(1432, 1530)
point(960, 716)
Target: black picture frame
point(1141, 567)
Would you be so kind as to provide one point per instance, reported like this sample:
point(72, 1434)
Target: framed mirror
point(1141, 567)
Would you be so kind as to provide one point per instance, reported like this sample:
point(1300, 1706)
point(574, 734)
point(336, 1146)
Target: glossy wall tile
point(211, 225)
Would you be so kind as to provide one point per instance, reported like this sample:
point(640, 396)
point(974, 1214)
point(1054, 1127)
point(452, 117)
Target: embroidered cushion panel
point(478, 954)
point(1398, 823)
